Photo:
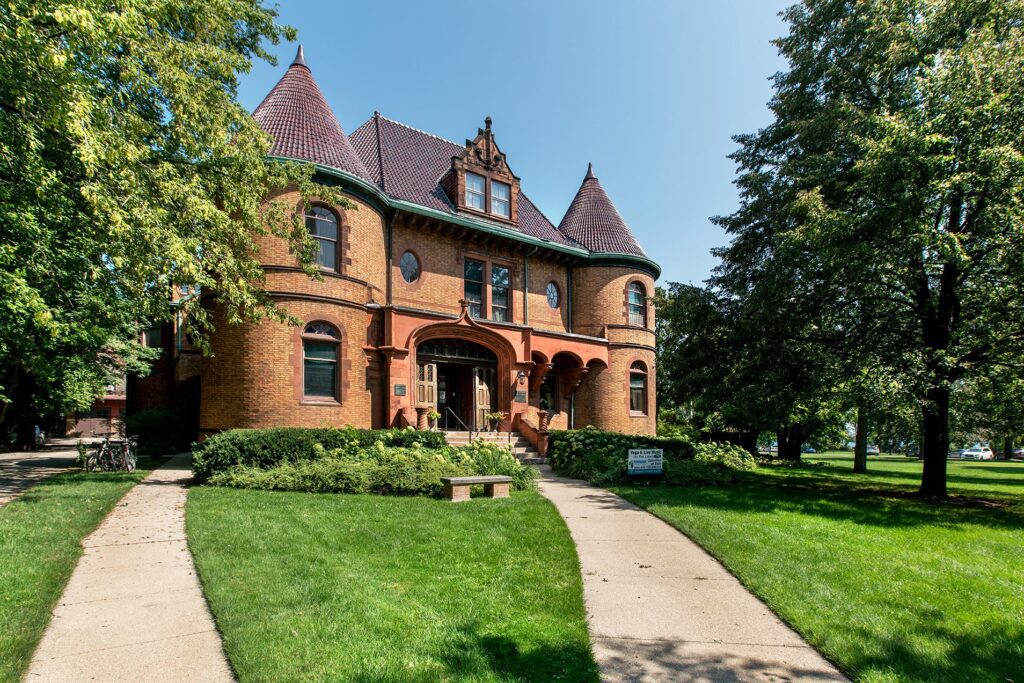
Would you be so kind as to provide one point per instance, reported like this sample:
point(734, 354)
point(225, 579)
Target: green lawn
point(40, 536)
point(888, 587)
point(982, 479)
point(374, 588)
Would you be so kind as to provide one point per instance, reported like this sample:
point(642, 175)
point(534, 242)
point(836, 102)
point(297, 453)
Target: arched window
point(637, 304)
point(322, 224)
point(321, 347)
point(638, 388)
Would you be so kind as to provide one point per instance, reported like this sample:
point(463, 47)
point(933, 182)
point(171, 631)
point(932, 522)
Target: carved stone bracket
point(540, 371)
point(572, 378)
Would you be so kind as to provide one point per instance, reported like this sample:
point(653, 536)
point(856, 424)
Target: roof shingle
point(409, 164)
point(593, 221)
point(300, 121)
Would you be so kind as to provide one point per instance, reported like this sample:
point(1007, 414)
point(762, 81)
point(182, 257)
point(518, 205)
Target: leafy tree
point(886, 195)
point(736, 363)
point(127, 169)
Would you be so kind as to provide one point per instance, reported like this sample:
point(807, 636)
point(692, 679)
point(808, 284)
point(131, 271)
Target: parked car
point(955, 455)
point(873, 450)
point(1018, 453)
point(978, 453)
point(807, 449)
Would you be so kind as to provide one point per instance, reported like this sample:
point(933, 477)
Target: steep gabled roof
point(300, 121)
point(408, 164)
point(593, 221)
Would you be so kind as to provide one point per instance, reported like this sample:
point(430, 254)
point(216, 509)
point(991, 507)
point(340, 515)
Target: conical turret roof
point(300, 121)
point(593, 221)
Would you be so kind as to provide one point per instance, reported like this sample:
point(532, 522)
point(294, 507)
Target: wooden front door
point(483, 395)
point(426, 384)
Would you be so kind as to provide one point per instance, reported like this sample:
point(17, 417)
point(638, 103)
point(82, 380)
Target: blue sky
point(650, 91)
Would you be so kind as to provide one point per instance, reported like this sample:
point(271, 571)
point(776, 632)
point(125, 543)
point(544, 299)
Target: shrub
point(484, 457)
point(603, 458)
point(156, 430)
point(379, 469)
point(266, 448)
point(713, 464)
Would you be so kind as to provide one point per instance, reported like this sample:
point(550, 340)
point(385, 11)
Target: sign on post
point(646, 460)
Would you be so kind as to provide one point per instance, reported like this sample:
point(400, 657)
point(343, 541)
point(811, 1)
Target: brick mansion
point(446, 292)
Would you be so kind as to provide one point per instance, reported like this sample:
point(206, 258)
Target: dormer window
point(476, 191)
point(501, 204)
point(480, 180)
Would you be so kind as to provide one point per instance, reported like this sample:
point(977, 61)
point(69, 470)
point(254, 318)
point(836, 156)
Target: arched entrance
point(459, 378)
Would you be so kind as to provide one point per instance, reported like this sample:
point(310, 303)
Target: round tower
point(611, 298)
point(318, 372)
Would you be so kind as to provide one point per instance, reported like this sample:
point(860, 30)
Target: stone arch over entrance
point(498, 361)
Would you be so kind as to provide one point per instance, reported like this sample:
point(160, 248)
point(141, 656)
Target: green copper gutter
point(592, 258)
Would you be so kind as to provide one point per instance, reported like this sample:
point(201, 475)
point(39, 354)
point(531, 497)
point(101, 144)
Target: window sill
point(319, 402)
point(634, 413)
point(482, 213)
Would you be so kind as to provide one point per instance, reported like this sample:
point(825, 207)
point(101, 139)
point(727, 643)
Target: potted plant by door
point(432, 417)
point(494, 419)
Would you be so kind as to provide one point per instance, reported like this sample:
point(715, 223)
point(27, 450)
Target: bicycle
point(113, 455)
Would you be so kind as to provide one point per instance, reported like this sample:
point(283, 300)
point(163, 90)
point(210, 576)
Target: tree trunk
point(26, 415)
point(1007, 447)
point(790, 439)
point(935, 448)
point(860, 443)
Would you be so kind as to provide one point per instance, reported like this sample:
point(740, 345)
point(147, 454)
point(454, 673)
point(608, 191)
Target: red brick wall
point(599, 295)
point(254, 378)
point(600, 309)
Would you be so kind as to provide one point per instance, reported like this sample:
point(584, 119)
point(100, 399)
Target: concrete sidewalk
point(22, 470)
point(662, 609)
point(133, 609)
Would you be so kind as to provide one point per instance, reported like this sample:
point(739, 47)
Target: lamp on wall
point(521, 377)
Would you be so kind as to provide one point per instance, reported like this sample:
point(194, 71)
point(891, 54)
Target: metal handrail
point(459, 420)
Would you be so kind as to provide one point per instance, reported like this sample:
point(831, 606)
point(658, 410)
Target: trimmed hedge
point(383, 470)
point(602, 457)
point(266, 448)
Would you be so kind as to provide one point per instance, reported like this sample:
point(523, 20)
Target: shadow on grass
point(974, 484)
point(981, 652)
point(54, 487)
point(471, 655)
point(834, 500)
point(502, 656)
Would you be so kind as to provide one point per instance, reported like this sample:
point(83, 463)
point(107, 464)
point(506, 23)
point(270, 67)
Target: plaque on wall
point(520, 397)
point(399, 390)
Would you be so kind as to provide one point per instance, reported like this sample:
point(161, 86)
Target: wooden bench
point(457, 488)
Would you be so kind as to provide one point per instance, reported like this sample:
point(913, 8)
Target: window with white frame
point(475, 191)
point(501, 199)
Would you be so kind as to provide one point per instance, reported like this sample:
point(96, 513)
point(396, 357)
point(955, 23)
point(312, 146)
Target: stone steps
point(521, 448)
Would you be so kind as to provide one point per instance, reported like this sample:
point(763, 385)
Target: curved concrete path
point(133, 609)
point(661, 609)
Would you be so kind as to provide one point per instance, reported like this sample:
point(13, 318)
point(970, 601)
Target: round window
point(553, 295)
point(410, 266)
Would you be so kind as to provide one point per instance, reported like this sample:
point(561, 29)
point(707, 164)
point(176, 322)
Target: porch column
point(421, 418)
